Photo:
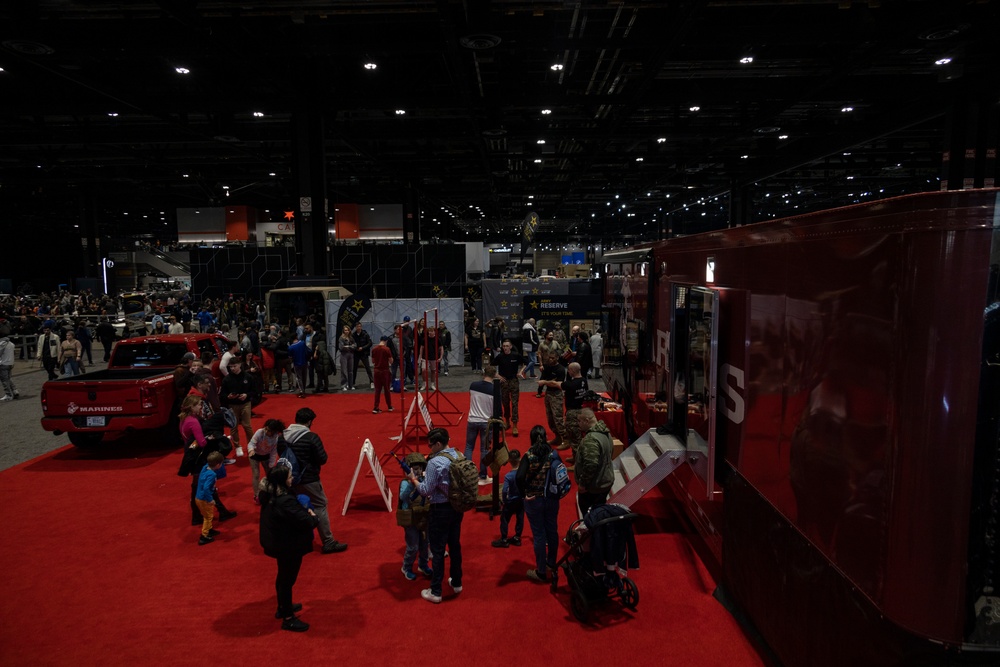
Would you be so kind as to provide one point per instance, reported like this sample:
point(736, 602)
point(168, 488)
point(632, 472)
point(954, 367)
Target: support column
point(311, 208)
point(740, 204)
point(970, 145)
point(411, 215)
point(91, 241)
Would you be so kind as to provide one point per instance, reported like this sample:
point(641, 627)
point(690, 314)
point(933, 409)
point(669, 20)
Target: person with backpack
point(541, 504)
point(594, 472)
point(309, 455)
point(444, 521)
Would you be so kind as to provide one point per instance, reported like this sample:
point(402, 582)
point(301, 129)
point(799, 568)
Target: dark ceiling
point(94, 113)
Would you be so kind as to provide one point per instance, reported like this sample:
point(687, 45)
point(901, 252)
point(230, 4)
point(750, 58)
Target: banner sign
point(562, 307)
point(351, 312)
point(135, 312)
point(528, 233)
point(368, 454)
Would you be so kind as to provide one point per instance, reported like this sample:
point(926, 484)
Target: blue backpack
point(557, 484)
point(289, 455)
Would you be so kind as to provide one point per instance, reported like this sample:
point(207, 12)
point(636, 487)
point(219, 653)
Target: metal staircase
point(648, 461)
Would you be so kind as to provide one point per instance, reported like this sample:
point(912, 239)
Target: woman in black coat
point(286, 533)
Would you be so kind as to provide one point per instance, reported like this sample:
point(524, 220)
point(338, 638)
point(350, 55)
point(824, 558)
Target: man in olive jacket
point(594, 472)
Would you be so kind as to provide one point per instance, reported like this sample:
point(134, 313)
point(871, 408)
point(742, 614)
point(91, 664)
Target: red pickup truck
point(135, 392)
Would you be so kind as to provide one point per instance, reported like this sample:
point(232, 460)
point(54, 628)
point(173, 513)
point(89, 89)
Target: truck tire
point(86, 439)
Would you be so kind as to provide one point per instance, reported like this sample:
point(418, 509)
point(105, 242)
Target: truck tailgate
point(105, 404)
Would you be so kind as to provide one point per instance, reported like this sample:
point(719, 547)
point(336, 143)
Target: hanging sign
point(368, 454)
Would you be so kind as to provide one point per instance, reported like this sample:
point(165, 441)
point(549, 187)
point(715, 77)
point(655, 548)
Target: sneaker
point(514, 432)
point(376, 411)
point(457, 589)
point(483, 481)
point(296, 608)
point(430, 597)
point(538, 395)
point(239, 452)
point(202, 541)
point(294, 624)
point(434, 387)
point(17, 395)
point(446, 373)
point(534, 576)
point(516, 540)
point(500, 544)
point(521, 375)
point(371, 385)
point(390, 408)
point(6, 398)
point(343, 388)
point(230, 462)
point(334, 547)
point(212, 532)
point(426, 571)
point(409, 574)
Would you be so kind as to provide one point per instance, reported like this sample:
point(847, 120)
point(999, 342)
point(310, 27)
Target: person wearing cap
point(381, 358)
point(183, 376)
point(286, 530)
point(444, 523)
point(412, 516)
point(48, 349)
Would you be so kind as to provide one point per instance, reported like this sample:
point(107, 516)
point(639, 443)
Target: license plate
point(95, 421)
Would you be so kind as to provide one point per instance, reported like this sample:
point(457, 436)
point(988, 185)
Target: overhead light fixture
point(540, 142)
point(184, 175)
point(182, 70)
point(271, 173)
point(546, 112)
point(258, 114)
point(531, 196)
point(538, 160)
point(557, 67)
point(694, 109)
point(746, 60)
point(846, 109)
point(638, 159)
point(400, 112)
point(782, 136)
point(942, 61)
point(113, 114)
point(371, 65)
point(661, 140)
point(744, 157)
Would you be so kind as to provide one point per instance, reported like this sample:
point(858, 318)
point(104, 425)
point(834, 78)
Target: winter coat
point(594, 472)
point(286, 527)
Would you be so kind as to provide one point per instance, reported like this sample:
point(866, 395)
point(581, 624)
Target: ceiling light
point(942, 61)
point(746, 60)
point(538, 160)
point(2, 69)
point(182, 70)
point(638, 159)
point(540, 142)
point(184, 175)
point(661, 140)
point(370, 66)
point(557, 67)
point(846, 109)
point(113, 114)
point(744, 157)
point(258, 114)
point(271, 173)
point(782, 136)
point(546, 112)
point(400, 112)
point(531, 196)
point(694, 109)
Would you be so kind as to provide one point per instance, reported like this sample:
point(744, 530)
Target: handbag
point(189, 459)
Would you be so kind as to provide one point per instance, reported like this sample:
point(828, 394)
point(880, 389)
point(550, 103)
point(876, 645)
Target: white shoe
point(434, 387)
point(484, 482)
point(457, 589)
point(344, 388)
point(430, 597)
point(371, 385)
point(239, 451)
point(7, 398)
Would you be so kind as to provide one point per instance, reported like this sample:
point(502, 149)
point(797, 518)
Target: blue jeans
point(532, 363)
point(444, 530)
point(416, 543)
point(472, 429)
point(543, 516)
point(71, 367)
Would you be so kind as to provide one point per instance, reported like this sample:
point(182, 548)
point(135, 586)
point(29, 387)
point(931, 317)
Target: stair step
point(619, 482)
point(646, 453)
point(630, 466)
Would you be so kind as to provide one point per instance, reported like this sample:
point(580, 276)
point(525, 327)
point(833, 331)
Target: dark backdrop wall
point(385, 271)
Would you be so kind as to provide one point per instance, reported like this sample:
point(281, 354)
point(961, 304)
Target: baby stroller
point(602, 548)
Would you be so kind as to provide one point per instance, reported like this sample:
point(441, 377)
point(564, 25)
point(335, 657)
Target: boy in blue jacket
point(513, 504)
point(204, 496)
point(415, 534)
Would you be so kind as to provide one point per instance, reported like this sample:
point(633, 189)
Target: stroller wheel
point(629, 593)
point(579, 605)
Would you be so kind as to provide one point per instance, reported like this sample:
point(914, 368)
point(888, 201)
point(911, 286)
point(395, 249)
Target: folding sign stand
point(368, 452)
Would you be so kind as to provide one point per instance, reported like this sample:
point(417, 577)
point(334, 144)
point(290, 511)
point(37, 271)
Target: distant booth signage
point(562, 308)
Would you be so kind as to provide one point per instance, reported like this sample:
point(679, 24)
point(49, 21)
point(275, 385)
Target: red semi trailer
point(837, 375)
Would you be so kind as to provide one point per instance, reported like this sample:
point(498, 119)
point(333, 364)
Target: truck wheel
point(85, 439)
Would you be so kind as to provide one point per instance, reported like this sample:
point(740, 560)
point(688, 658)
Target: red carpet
point(101, 567)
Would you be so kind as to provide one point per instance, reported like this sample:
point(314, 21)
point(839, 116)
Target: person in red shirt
point(381, 358)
